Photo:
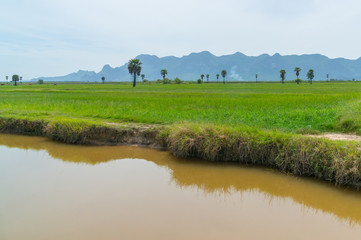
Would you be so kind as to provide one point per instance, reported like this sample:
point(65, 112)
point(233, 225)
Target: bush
point(177, 81)
point(167, 81)
point(159, 81)
point(199, 81)
point(40, 81)
point(145, 81)
point(298, 81)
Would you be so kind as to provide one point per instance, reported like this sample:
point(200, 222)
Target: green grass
point(245, 123)
point(321, 107)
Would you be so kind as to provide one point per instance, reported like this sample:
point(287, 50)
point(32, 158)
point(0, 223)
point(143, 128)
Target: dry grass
point(328, 160)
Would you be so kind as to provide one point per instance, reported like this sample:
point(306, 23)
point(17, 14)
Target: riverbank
point(334, 161)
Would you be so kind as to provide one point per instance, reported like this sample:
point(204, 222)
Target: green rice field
point(305, 108)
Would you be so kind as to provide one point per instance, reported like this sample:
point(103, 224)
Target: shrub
point(177, 81)
point(159, 81)
point(199, 81)
point(167, 81)
point(40, 81)
point(298, 81)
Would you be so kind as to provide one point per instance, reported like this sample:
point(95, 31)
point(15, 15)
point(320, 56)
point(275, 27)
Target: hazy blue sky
point(50, 37)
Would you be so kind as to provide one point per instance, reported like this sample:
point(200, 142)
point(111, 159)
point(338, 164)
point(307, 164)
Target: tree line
point(135, 68)
point(310, 75)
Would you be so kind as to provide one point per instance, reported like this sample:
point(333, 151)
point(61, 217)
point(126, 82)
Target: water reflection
point(210, 178)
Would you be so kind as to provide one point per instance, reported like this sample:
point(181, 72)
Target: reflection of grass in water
point(223, 179)
point(211, 178)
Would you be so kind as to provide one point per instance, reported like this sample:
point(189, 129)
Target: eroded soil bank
point(333, 161)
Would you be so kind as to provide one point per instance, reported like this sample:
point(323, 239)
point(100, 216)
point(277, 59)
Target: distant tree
point(15, 79)
point(202, 76)
point(256, 77)
point(297, 71)
point(199, 81)
point(224, 74)
point(217, 77)
point(40, 81)
point(283, 75)
point(20, 79)
point(103, 79)
point(207, 76)
point(7, 78)
point(134, 68)
point(327, 76)
point(163, 72)
point(310, 75)
point(142, 76)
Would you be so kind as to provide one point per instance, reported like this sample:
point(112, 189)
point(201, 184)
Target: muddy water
point(56, 191)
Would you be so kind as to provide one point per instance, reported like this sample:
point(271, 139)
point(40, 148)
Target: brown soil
point(339, 136)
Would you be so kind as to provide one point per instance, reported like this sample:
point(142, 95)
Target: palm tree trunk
point(135, 79)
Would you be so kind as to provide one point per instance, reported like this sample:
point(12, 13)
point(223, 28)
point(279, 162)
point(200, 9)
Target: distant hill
point(239, 67)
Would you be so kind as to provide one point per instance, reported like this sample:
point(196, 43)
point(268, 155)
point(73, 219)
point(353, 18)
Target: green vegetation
point(322, 107)
point(202, 76)
point(163, 72)
point(134, 68)
point(310, 75)
point(40, 81)
point(224, 74)
point(283, 75)
point(246, 123)
point(15, 79)
point(297, 71)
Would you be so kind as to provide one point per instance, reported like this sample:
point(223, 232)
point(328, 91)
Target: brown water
point(55, 191)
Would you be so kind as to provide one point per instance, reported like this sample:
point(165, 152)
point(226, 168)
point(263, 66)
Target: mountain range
point(239, 67)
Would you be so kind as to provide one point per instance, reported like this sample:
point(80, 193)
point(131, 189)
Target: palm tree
point(217, 77)
point(224, 74)
point(283, 75)
point(207, 76)
point(327, 77)
point(202, 76)
point(297, 71)
point(15, 79)
point(142, 76)
point(310, 75)
point(163, 72)
point(134, 68)
point(103, 79)
point(256, 77)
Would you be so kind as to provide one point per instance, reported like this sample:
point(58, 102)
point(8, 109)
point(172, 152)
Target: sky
point(57, 37)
